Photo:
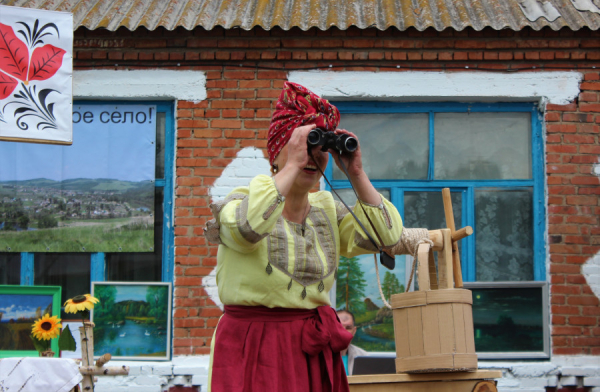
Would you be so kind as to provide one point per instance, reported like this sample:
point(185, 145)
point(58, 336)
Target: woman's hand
point(357, 176)
point(297, 150)
point(352, 161)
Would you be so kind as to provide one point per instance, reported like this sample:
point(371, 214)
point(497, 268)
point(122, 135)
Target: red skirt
point(259, 349)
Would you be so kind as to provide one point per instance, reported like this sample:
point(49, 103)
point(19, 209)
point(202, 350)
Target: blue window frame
point(164, 235)
point(497, 186)
point(468, 189)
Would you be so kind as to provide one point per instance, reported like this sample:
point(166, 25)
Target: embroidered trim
point(241, 217)
point(212, 228)
point(386, 216)
point(309, 267)
point(280, 199)
point(365, 244)
point(341, 211)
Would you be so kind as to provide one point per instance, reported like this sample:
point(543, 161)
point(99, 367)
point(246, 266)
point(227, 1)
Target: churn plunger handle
point(456, 236)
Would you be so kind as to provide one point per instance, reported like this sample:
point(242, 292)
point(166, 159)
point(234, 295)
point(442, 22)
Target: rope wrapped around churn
point(408, 245)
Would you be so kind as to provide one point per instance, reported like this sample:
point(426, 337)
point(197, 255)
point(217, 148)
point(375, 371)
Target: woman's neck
point(296, 207)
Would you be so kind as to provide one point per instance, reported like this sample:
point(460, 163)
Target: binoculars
point(329, 140)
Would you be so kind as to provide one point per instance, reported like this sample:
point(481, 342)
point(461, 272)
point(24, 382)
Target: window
point(75, 271)
point(490, 156)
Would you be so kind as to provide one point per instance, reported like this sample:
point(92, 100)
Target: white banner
point(36, 74)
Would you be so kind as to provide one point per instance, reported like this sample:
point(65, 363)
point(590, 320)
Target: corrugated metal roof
point(324, 14)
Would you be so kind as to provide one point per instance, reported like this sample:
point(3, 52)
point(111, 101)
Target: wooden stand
point(478, 381)
point(433, 327)
point(88, 369)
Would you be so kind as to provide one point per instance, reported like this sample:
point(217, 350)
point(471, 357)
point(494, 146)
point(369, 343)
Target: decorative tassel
point(321, 287)
point(303, 295)
point(269, 269)
point(290, 284)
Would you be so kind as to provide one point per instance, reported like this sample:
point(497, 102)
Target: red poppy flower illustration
point(17, 66)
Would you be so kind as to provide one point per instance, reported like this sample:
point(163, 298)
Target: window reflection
point(394, 146)
point(69, 270)
point(10, 268)
point(504, 235)
point(349, 196)
point(508, 319)
point(482, 146)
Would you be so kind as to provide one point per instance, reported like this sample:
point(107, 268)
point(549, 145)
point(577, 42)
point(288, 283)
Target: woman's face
point(310, 175)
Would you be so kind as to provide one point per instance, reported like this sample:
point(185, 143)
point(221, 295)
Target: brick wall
point(240, 101)
point(573, 148)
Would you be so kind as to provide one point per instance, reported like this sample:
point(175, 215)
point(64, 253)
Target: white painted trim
point(139, 84)
point(545, 87)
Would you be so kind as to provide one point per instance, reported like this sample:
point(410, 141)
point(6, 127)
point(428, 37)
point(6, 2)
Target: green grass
point(365, 317)
point(101, 238)
point(385, 330)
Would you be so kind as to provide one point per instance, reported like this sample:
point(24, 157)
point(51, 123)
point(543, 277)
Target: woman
point(278, 256)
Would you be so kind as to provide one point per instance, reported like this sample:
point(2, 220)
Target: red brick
point(567, 351)
point(578, 320)
point(582, 200)
point(580, 139)
point(566, 289)
point(566, 330)
point(586, 180)
point(561, 128)
point(247, 75)
point(587, 300)
point(180, 281)
point(211, 312)
point(565, 309)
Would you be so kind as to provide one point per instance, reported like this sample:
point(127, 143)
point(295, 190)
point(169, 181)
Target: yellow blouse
point(264, 259)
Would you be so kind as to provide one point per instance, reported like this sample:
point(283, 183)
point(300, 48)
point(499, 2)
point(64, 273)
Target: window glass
point(10, 268)
point(136, 267)
point(161, 118)
point(480, 146)
point(504, 235)
point(394, 146)
point(69, 270)
point(426, 209)
point(508, 319)
point(349, 196)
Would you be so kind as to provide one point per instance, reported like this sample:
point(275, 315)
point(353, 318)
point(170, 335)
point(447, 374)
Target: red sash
point(263, 349)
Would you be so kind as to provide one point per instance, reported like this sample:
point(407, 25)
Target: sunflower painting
point(132, 320)
point(20, 308)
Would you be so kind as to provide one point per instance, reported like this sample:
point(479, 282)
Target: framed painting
point(20, 306)
point(133, 320)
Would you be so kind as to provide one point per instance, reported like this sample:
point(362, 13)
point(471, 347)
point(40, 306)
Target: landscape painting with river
point(132, 320)
point(357, 291)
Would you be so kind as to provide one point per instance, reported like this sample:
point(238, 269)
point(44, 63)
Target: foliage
point(66, 341)
point(391, 285)
point(351, 285)
point(47, 221)
point(106, 294)
point(157, 297)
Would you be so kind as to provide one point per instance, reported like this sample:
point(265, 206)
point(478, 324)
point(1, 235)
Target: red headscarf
point(298, 106)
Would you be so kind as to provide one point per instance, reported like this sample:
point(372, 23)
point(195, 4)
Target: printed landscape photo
point(78, 215)
point(96, 195)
